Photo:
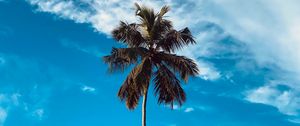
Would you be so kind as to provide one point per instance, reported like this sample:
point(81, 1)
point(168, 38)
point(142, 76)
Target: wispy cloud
point(27, 86)
point(286, 100)
point(65, 9)
point(10, 101)
point(101, 14)
point(262, 30)
point(3, 115)
point(38, 113)
point(7, 101)
point(190, 109)
point(186, 109)
point(88, 89)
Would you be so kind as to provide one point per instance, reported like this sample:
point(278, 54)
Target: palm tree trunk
point(144, 107)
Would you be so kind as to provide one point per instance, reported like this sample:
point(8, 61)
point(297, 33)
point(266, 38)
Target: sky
point(51, 72)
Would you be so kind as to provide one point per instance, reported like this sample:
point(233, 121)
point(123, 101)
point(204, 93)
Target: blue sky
point(51, 73)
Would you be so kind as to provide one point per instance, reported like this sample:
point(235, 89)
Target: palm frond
point(153, 25)
point(167, 87)
point(120, 58)
point(176, 40)
point(135, 83)
point(185, 66)
point(163, 11)
point(160, 27)
point(146, 16)
point(128, 34)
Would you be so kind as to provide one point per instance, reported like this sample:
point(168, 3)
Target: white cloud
point(7, 101)
point(190, 109)
point(202, 49)
point(270, 30)
point(15, 98)
point(295, 120)
point(20, 72)
point(89, 89)
point(38, 113)
point(65, 9)
point(104, 15)
point(287, 101)
point(3, 115)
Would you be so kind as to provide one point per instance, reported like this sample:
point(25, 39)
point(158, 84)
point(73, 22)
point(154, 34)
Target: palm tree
point(151, 44)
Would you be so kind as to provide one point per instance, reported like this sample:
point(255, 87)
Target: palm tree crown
point(151, 44)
